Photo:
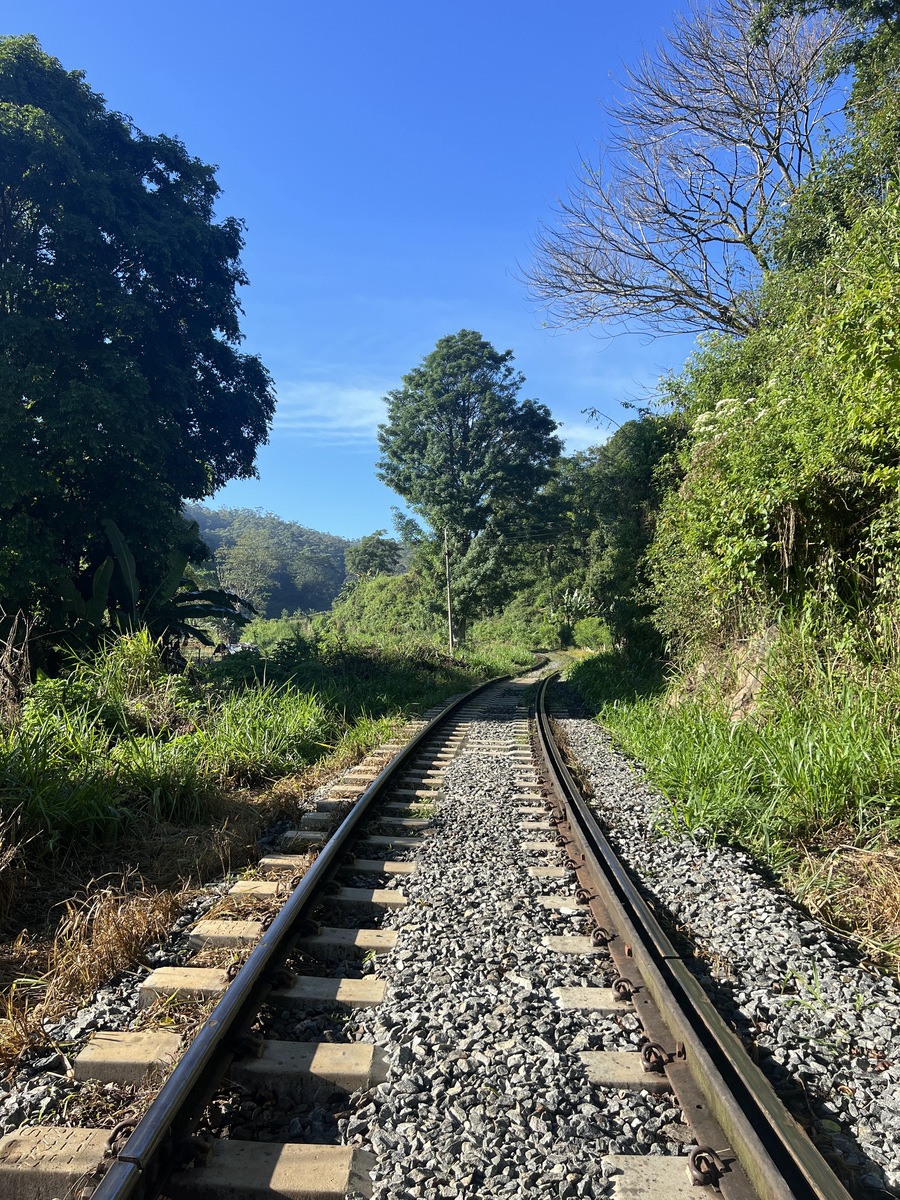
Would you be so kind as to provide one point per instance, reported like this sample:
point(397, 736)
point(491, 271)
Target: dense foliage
point(770, 558)
point(117, 743)
point(468, 456)
point(122, 392)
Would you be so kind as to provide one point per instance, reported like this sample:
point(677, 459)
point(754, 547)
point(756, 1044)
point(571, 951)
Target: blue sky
point(392, 163)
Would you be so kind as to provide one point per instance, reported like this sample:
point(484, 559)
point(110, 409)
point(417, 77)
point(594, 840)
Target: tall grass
point(58, 802)
point(816, 763)
point(264, 732)
point(118, 743)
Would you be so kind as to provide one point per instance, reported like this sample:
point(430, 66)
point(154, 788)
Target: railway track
point(532, 1010)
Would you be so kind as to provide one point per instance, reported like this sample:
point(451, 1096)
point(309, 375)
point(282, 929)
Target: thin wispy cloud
point(580, 435)
point(336, 414)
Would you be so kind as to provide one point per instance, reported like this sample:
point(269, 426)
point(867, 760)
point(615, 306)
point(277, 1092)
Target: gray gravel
point(826, 1028)
point(486, 1095)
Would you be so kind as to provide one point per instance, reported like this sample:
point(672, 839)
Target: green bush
point(817, 760)
point(592, 633)
point(790, 478)
point(264, 732)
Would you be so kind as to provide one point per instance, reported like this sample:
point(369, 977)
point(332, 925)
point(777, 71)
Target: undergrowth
point(117, 745)
point(119, 769)
point(808, 781)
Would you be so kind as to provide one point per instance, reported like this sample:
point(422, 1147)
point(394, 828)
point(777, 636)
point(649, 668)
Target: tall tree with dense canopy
point(467, 455)
point(122, 392)
point(373, 555)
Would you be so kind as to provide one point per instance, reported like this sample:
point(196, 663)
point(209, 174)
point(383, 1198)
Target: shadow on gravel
point(840, 1149)
point(824, 1125)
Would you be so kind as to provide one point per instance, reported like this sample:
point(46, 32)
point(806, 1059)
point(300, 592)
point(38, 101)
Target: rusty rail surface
point(725, 1096)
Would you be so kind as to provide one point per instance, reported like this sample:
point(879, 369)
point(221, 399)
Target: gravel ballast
point(825, 1028)
point(486, 1094)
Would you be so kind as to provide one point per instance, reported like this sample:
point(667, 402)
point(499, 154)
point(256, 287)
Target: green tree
point(122, 392)
point(248, 568)
point(609, 496)
point(372, 555)
point(317, 576)
point(468, 456)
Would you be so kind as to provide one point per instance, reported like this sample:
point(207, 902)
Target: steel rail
point(770, 1146)
point(141, 1167)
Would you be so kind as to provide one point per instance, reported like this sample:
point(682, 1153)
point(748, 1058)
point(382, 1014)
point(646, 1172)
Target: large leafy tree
point(468, 456)
point(122, 391)
point(373, 555)
point(608, 498)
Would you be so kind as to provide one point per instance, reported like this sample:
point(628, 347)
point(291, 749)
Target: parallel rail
point(724, 1094)
point(725, 1097)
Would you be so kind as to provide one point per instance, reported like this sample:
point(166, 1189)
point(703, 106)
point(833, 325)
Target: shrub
point(592, 633)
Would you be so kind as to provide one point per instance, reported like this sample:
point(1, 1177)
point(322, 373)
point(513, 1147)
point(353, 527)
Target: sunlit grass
point(118, 744)
point(263, 732)
point(818, 758)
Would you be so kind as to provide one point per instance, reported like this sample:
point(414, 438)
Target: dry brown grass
point(104, 932)
point(12, 866)
point(70, 930)
point(100, 932)
point(15, 665)
point(175, 1013)
point(249, 908)
point(856, 892)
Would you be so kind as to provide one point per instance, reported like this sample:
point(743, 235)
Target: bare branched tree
point(667, 231)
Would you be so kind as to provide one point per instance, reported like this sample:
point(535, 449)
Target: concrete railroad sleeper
point(161, 1142)
point(747, 1144)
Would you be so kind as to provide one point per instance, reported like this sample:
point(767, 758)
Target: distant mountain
point(278, 565)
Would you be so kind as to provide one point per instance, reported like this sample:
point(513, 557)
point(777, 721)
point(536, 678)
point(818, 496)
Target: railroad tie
point(377, 897)
point(314, 991)
point(621, 1069)
point(55, 1161)
point(379, 866)
point(232, 935)
point(276, 864)
point(572, 945)
point(263, 1170)
point(127, 1057)
point(563, 904)
point(649, 1177)
point(335, 942)
point(603, 1001)
point(300, 1069)
point(308, 991)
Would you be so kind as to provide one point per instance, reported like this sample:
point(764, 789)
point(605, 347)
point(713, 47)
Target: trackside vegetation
point(117, 743)
point(724, 565)
point(757, 674)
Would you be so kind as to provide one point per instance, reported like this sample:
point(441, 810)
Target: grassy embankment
point(808, 780)
point(122, 784)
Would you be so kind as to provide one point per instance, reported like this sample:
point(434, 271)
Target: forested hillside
point(278, 565)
